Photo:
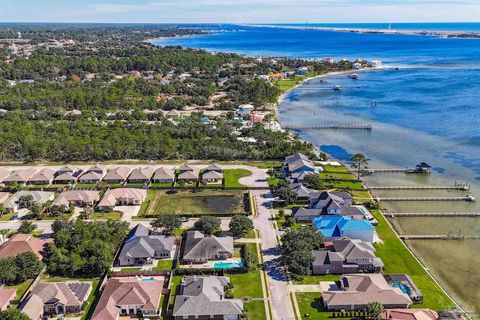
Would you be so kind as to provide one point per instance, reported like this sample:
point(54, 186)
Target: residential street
point(282, 307)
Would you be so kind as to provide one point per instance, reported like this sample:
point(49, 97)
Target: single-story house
point(299, 176)
point(141, 175)
point(19, 176)
point(56, 298)
point(97, 168)
point(78, 198)
point(213, 167)
point(66, 175)
point(203, 297)
point(346, 256)
point(4, 174)
point(187, 177)
point(302, 192)
point(163, 175)
point(340, 226)
point(212, 177)
point(90, 177)
point(244, 110)
point(42, 177)
point(305, 214)
point(185, 167)
point(4, 197)
point(40, 197)
point(130, 296)
point(357, 290)
point(117, 175)
point(409, 314)
point(121, 197)
point(20, 243)
point(141, 247)
point(65, 169)
point(199, 249)
point(6, 297)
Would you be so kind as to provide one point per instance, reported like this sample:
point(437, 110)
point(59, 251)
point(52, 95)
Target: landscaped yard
point(315, 279)
point(335, 169)
point(114, 215)
point(249, 285)
point(288, 84)
point(164, 265)
point(21, 288)
point(231, 177)
point(192, 203)
point(310, 303)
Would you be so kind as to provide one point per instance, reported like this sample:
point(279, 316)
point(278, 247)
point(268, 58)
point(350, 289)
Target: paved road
point(282, 307)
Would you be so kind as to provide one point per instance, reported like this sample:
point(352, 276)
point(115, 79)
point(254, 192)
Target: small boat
point(337, 87)
point(353, 76)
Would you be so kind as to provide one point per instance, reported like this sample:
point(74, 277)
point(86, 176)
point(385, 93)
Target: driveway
point(128, 211)
point(282, 306)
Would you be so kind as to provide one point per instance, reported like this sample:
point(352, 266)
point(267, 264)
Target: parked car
point(184, 219)
point(14, 217)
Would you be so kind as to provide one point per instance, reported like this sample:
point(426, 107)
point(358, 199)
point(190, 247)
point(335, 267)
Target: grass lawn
point(166, 184)
point(61, 217)
point(112, 185)
point(360, 195)
point(344, 184)
point(164, 265)
point(114, 215)
point(250, 235)
point(337, 176)
point(249, 285)
point(7, 216)
point(189, 202)
point(310, 303)
point(231, 177)
point(272, 182)
point(130, 269)
point(335, 169)
point(21, 288)
point(86, 185)
point(173, 286)
point(398, 259)
point(316, 279)
point(288, 84)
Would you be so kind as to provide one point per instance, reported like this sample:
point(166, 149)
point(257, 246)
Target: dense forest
point(98, 71)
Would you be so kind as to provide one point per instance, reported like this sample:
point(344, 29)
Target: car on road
point(14, 217)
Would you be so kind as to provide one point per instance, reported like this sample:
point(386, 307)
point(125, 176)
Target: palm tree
point(375, 310)
point(359, 162)
point(3, 233)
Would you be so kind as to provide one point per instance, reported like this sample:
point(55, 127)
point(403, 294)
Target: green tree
point(168, 222)
point(28, 266)
point(13, 314)
point(27, 227)
point(297, 247)
point(289, 221)
point(208, 225)
point(4, 233)
point(375, 310)
point(359, 162)
point(8, 271)
point(313, 181)
point(240, 225)
point(3, 210)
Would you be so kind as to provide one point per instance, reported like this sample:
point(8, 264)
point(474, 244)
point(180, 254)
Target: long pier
point(431, 214)
point(312, 87)
point(465, 198)
point(329, 127)
point(458, 187)
point(439, 237)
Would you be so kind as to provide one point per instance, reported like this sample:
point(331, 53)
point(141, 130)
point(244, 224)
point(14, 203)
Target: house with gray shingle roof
point(3, 174)
point(57, 298)
point(141, 247)
point(337, 203)
point(41, 197)
point(346, 256)
point(91, 177)
point(140, 175)
point(204, 298)
point(199, 249)
point(212, 177)
point(187, 177)
point(19, 176)
point(117, 175)
point(44, 176)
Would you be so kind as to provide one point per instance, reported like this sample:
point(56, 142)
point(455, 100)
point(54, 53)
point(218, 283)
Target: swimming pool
point(228, 265)
point(148, 279)
point(405, 289)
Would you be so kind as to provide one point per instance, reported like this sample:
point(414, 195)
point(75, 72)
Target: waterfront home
point(204, 297)
point(7, 295)
point(298, 163)
point(245, 110)
point(163, 175)
point(117, 175)
point(121, 197)
point(19, 177)
point(78, 198)
point(42, 177)
point(187, 177)
point(4, 174)
point(356, 291)
point(130, 297)
point(338, 204)
point(340, 226)
point(212, 177)
point(16, 203)
point(56, 299)
point(301, 71)
point(140, 175)
point(21, 243)
point(142, 248)
point(409, 314)
point(346, 256)
point(299, 176)
point(199, 249)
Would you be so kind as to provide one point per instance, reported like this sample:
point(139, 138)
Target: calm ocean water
point(426, 110)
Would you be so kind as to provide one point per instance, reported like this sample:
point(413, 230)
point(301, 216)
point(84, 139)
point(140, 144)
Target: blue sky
point(237, 11)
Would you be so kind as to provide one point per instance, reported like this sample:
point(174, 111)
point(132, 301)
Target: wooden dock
point(329, 87)
point(431, 214)
point(465, 198)
point(329, 127)
point(458, 187)
point(439, 237)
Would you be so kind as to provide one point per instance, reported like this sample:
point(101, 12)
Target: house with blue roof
point(343, 226)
